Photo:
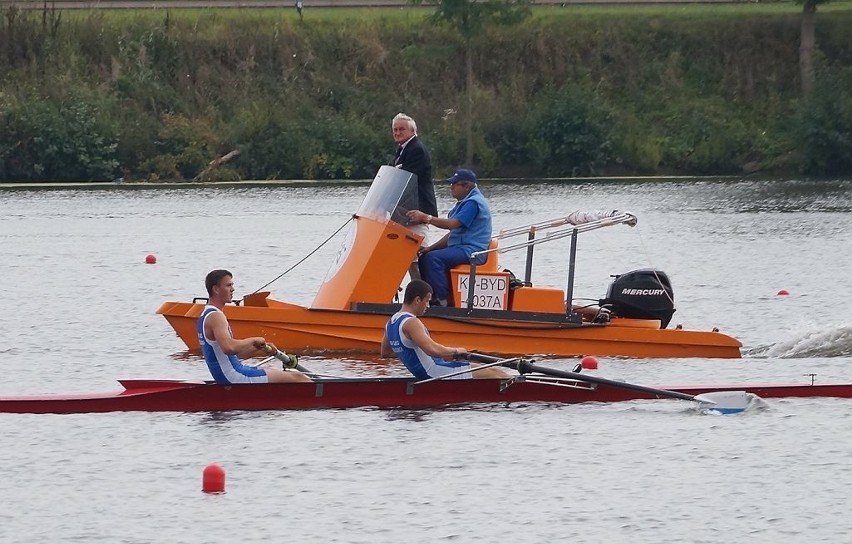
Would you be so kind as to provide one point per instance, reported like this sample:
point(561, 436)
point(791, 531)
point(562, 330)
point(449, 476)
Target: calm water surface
point(78, 313)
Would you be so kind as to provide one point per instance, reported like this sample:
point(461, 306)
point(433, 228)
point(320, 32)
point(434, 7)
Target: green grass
point(420, 13)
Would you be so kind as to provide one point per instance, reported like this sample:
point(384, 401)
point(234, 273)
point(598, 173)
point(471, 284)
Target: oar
point(725, 402)
point(495, 362)
point(289, 361)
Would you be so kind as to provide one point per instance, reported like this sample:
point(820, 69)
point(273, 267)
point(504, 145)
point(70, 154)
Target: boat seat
point(537, 299)
point(490, 264)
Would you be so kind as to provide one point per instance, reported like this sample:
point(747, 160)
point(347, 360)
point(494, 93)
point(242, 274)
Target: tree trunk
point(806, 47)
point(216, 163)
point(468, 156)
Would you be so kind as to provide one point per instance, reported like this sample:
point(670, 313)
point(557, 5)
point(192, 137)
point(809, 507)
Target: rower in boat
point(223, 352)
point(407, 338)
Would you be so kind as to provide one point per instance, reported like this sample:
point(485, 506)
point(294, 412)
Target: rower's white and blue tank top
point(224, 368)
point(416, 360)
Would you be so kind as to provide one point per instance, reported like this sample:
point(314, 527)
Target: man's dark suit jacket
point(415, 159)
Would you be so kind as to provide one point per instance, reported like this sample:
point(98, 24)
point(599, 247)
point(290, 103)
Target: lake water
point(78, 313)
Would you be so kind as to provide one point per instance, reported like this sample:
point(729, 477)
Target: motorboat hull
point(296, 328)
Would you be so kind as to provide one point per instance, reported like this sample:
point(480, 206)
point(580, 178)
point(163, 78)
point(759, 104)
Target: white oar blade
point(725, 402)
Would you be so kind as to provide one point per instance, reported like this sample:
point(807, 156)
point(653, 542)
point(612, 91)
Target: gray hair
point(403, 117)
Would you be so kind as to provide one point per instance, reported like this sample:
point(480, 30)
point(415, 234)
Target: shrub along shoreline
point(158, 95)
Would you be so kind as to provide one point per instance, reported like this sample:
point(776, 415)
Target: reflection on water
point(415, 416)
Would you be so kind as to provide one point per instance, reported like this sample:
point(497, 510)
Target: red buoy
point(783, 293)
point(213, 480)
point(589, 363)
point(151, 259)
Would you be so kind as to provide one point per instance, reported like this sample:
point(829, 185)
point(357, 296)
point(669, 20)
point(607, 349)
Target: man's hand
point(418, 216)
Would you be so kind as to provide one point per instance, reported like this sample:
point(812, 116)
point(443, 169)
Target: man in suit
point(412, 156)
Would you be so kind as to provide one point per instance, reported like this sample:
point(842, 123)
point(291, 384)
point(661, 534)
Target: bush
point(185, 146)
point(271, 140)
point(570, 132)
point(57, 139)
point(345, 147)
point(701, 136)
point(826, 125)
point(568, 92)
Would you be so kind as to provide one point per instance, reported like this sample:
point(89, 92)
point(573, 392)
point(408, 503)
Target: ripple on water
point(79, 313)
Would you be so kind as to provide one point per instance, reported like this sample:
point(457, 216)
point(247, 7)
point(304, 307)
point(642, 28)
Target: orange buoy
point(589, 363)
point(783, 293)
point(151, 259)
point(213, 480)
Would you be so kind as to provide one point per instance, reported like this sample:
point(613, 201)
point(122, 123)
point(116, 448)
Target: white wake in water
point(832, 342)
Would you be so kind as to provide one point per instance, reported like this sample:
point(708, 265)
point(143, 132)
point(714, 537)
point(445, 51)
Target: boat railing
point(570, 225)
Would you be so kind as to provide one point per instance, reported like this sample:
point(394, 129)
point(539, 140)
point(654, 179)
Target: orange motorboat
point(489, 309)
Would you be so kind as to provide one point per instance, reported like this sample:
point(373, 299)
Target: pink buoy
point(589, 363)
point(213, 480)
point(783, 293)
point(151, 259)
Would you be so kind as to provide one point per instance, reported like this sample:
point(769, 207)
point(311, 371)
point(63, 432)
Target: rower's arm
point(217, 329)
point(386, 350)
point(415, 330)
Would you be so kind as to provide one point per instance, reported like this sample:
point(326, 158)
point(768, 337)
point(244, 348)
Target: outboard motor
point(641, 294)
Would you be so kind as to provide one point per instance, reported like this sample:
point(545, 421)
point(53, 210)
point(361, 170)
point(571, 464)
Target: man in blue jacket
point(469, 223)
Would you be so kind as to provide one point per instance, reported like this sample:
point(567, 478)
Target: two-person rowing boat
point(534, 383)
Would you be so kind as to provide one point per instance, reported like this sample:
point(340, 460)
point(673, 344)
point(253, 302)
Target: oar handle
point(289, 360)
point(479, 357)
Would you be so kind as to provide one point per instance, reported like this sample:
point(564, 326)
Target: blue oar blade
point(725, 402)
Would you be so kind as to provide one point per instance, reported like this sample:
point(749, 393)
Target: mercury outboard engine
point(641, 294)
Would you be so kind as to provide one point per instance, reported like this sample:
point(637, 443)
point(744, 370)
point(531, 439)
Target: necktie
point(398, 153)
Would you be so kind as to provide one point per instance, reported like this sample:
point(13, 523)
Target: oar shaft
point(498, 362)
point(525, 367)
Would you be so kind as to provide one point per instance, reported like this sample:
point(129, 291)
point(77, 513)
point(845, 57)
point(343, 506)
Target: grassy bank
point(157, 95)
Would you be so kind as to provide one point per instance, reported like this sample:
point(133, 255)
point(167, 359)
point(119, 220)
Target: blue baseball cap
point(462, 175)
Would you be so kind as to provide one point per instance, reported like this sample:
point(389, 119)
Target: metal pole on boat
point(569, 291)
point(471, 278)
point(528, 271)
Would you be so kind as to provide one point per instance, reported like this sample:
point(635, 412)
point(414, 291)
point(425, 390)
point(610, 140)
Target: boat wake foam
point(730, 402)
point(832, 342)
